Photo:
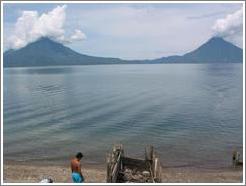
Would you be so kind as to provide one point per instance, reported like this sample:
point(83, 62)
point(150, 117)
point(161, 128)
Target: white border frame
point(120, 2)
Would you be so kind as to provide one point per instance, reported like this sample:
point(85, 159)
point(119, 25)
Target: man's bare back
point(76, 168)
point(75, 165)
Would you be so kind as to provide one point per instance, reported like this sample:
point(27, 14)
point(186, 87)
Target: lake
point(191, 113)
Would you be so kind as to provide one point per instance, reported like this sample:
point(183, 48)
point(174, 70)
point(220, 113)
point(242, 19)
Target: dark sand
point(23, 172)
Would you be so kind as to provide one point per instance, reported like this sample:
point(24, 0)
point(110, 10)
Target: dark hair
point(79, 155)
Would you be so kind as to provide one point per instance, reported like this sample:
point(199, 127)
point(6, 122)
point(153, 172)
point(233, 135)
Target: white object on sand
point(46, 180)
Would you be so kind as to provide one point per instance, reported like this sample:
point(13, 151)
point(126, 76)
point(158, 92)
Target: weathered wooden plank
point(116, 168)
point(149, 153)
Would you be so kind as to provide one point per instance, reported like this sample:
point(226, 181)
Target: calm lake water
point(192, 114)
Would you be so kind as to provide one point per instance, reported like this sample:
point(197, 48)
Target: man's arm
point(79, 169)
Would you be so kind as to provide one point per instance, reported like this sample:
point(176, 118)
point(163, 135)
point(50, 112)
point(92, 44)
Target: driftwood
point(236, 159)
point(122, 169)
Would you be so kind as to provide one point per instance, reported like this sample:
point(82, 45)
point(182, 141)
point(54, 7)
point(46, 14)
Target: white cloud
point(78, 35)
point(30, 27)
point(230, 26)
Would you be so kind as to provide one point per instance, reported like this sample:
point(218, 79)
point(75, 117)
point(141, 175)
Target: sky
point(123, 30)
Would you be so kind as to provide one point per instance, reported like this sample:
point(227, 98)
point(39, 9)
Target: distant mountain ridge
point(215, 50)
point(46, 52)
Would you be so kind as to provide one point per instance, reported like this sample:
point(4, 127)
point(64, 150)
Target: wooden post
point(157, 170)
point(114, 163)
point(108, 159)
point(160, 172)
point(153, 163)
point(155, 167)
point(149, 153)
point(236, 159)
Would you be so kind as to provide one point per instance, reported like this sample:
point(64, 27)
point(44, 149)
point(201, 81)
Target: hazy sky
point(128, 31)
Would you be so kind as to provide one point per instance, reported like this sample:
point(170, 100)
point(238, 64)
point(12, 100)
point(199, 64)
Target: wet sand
point(25, 173)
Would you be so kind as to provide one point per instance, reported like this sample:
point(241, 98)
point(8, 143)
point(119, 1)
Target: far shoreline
point(120, 64)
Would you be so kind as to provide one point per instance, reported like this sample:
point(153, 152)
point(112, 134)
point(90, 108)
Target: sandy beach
point(21, 172)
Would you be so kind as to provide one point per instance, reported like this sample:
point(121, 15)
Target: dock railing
point(116, 160)
point(114, 163)
point(154, 163)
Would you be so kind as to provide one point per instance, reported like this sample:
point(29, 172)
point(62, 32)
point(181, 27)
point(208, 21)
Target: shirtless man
point(76, 168)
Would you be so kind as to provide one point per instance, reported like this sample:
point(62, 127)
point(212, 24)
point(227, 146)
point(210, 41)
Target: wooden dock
point(123, 169)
